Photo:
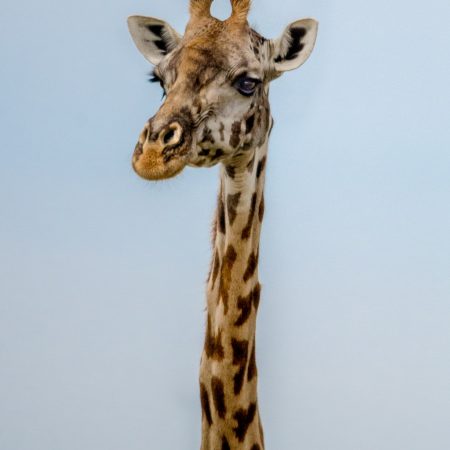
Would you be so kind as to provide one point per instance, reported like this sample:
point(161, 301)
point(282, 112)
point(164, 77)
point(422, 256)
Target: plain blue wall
point(102, 275)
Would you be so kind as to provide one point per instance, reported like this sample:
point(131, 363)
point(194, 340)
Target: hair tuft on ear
point(154, 38)
point(295, 45)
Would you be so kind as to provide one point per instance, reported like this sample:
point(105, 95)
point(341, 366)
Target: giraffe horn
point(241, 9)
point(200, 8)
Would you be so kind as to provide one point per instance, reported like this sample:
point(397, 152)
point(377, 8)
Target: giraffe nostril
point(168, 136)
point(172, 134)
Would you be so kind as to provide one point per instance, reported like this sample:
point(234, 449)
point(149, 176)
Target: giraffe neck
point(228, 375)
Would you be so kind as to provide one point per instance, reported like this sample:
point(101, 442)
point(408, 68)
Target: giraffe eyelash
point(154, 78)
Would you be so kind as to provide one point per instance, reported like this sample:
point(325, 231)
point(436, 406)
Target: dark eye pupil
point(246, 86)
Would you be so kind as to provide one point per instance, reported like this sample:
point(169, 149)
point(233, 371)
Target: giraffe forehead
point(198, 59)
point(214, 49)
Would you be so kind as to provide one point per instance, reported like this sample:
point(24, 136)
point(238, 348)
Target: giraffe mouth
point(154, 164)
point(162, 155)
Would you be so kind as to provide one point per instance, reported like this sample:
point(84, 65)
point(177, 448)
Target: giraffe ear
point(294, 46)
point(154, 38)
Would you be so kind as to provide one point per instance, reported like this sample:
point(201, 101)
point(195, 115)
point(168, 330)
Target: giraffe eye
point(246, 85)
point(156, 79)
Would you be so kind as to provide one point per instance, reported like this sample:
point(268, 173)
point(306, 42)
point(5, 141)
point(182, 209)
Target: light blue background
point(102, 275)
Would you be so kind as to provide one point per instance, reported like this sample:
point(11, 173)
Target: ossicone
point(240, 10)
point(202, 9)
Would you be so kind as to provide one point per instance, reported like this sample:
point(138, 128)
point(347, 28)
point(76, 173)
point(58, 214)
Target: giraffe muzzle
point(162, 154)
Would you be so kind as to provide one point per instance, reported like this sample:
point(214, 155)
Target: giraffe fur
point(216, 110)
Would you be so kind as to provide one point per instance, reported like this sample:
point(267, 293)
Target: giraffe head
point(216, 81)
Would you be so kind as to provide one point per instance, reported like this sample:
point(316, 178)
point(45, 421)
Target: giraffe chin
point(153, 164)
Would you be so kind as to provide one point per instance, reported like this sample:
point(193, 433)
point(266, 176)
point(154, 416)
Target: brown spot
point(261, 209)
point(206, 409)
point(221, 215)
point(218, 396)
point(221, 131)
point(231, 171)
point(239, 381)
point(219, 153)
point(204, 152)
point(252, 264)
point(215, 270)
point(225, 275)
point(245, 305)
point(240, 352)
point(252, 369)
point(249, 123)
point(225, 444)
point(248, 228)
point(233, 203)
point(240, 355)
point(244, 418)
point(255, 447)
point(207, 136)
point(213, 344)
point(261, 167)
point(195, 80)
point(235, 138)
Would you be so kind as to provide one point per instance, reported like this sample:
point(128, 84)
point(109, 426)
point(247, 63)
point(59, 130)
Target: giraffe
point(216, 111)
